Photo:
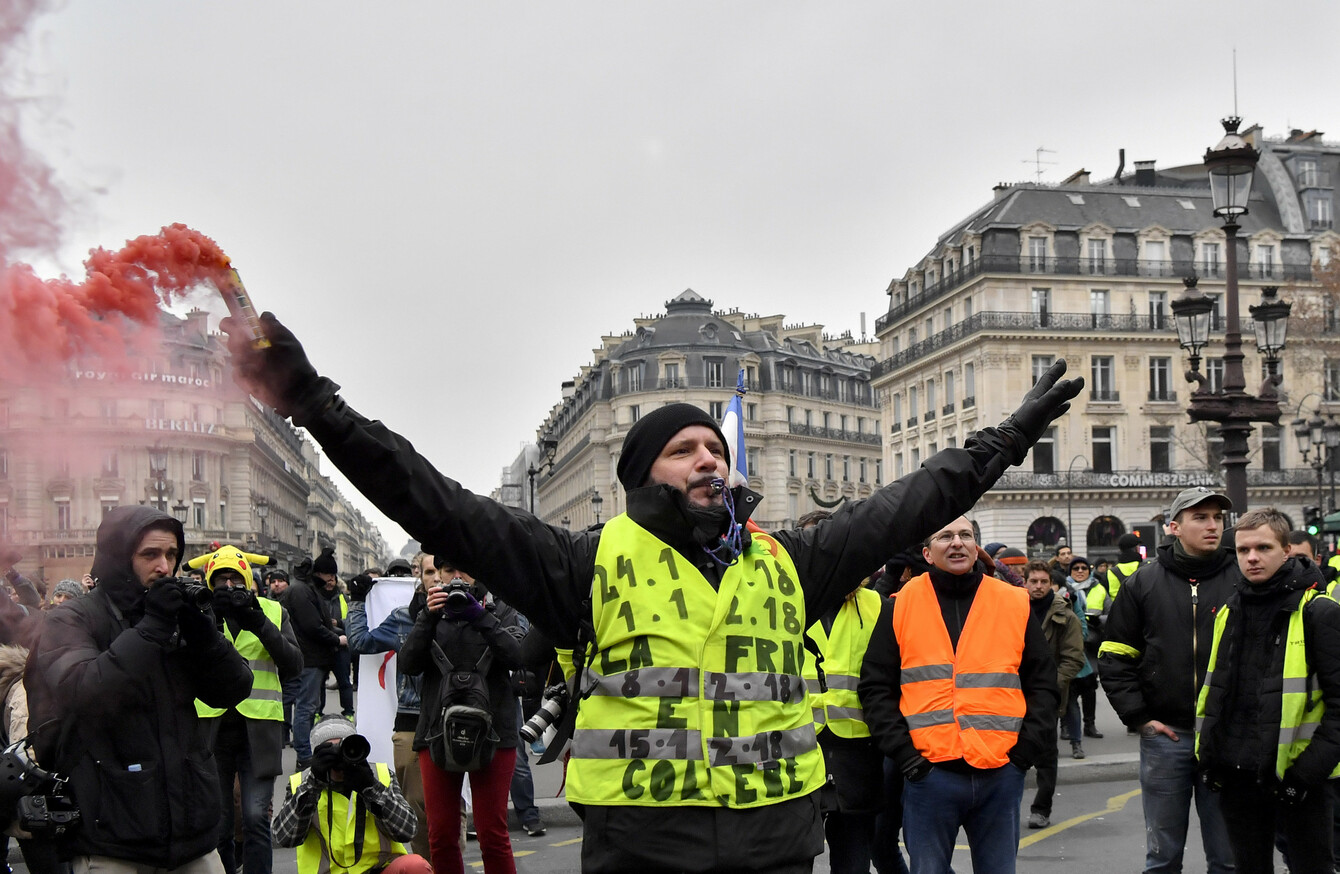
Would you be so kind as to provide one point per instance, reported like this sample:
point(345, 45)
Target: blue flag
point(732, 428)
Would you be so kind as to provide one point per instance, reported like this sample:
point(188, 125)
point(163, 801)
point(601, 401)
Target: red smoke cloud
point(46, 323)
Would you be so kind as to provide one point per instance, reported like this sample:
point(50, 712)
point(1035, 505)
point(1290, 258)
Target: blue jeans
point(523, 787)
point(985, 803)
point(310, 694)
point(1168, 780)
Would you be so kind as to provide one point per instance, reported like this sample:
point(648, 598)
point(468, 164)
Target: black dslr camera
point(40, 803)
point(458, 594)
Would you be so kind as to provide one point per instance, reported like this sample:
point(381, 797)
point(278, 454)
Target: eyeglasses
point(947, 537)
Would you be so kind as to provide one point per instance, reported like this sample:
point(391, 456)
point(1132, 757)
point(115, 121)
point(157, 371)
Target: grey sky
point(450, 203)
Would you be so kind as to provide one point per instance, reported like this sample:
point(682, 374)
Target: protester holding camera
point(712, 797)
point(248, 739)
point(463, 635)
point(345, 812)
point(112, 684)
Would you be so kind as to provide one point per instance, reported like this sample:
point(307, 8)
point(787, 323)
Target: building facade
point(173, 432)
point(812, 426)
point(1086, 271)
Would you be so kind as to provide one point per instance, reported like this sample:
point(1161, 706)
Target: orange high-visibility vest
point(966, 704)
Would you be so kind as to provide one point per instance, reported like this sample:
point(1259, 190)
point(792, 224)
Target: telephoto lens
point(551, 711)
point(355, 749)
point(458, 595)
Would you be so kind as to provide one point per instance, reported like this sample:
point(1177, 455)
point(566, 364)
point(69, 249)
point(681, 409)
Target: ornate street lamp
point(158, 472)
point(1272, 325)
point(596, 501)
point(262, 510)
point(1231, 165)
point(548, 449)
point(179, 510)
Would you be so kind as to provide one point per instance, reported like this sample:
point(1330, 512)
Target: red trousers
point(489, 790)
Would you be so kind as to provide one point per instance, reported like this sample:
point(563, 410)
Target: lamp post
point(158, 472)
point(1069, 521)
point(179, 510)
point(548, 449)
point(299, 529)
point(1320, 438)
point(596, 501)
point(262, 510)
point(1231, 165)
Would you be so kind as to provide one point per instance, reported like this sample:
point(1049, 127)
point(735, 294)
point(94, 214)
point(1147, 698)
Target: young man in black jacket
point(318, 641)
point(111, 689)
point(1152, 663)
point(667, 758)
point(1269, 712)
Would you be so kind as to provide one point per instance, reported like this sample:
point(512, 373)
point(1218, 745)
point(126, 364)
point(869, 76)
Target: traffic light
point(1312, 520)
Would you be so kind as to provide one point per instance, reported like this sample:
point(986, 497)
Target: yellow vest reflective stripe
point(1301, 707)
point(333, 831)
point(266, 700)
point(844, 650)
point(697, 694)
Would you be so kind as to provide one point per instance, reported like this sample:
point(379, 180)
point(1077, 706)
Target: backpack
point(465, 740)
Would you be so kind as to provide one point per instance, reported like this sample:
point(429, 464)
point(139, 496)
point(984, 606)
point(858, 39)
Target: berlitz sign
point(1142, 480)
point(165, 378)
point(179, 425)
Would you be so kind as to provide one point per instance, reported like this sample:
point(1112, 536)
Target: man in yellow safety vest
point(345, 813)
point(248, 739)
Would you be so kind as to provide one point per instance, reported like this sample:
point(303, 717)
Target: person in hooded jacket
point(1268, 736)
point(111, 686)
point(318, 641)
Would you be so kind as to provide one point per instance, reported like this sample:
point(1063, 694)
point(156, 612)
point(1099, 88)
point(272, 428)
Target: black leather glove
point(359, 587)
point(359, 776)
point(917, 770)
point(1291, 791)
point(222, 602)
point(162, 604)
point(197, 626)
point(279, 375)
point(247, 612)
point(324, 758)
point(1048, 400)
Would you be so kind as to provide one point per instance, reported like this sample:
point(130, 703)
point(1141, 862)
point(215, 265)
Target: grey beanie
point(331, 728)
point(73, 588)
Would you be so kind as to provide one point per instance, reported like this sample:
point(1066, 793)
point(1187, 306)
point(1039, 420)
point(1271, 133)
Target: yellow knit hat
point(228, 558)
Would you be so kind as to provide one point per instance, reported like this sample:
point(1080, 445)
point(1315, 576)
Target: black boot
point(1065, 731)
point(1091, 730)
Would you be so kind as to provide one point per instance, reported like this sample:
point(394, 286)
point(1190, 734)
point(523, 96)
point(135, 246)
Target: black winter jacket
point(115, 712)
point(1154, 655)
point(882, 668)
point(1242, 719)
point(317, 637)
point(462, 642)
point(546, 571)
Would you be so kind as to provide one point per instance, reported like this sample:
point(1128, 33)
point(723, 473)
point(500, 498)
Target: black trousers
point(1253, 816)
point(1046, 766)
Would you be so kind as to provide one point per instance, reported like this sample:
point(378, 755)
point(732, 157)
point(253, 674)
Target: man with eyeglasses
point(959, 688)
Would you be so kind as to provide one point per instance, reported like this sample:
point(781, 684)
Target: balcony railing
point(801, 429)
point(1076, 266)
point(1104, 395)
point(1040, 321)
point(1162, 395)
point(947, 409)
point(969, 402)
point(928, 416)
point(912, 422)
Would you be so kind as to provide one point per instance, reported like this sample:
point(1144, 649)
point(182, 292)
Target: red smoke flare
point(47, 323)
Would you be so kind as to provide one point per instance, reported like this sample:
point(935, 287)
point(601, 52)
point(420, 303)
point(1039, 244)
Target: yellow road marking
point(1115, 803)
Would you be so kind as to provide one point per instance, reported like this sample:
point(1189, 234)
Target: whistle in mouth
point(718, 486)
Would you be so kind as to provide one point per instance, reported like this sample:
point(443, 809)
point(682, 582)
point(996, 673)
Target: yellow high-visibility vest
point(844, 650)
point(696, 694)
point(333, 834)
point(266, 699)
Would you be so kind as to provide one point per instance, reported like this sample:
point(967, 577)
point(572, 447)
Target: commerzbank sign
point(1148, 480)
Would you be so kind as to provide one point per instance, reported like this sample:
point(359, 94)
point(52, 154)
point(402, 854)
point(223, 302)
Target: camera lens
point(354, 748)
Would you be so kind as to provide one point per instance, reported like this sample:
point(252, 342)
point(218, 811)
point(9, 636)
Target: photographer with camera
point(463, 643)
point(345, 812)
point(248, 739)
point(112, 684)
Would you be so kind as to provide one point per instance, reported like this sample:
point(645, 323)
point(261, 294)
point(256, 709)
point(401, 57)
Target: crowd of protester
point(910, 702)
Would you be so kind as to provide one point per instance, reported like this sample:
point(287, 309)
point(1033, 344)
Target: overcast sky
point(450, 203)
